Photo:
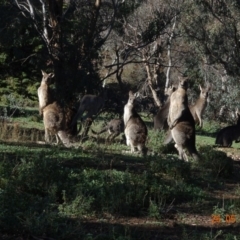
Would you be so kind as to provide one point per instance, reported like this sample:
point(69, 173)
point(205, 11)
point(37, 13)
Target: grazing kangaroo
point(135, 129)
point(181, 122)
point(227, 135)
point(198, 108)
point(114, 128)
point(92, 104)
point(160, 119)
point(54, 124)
point(44, 94)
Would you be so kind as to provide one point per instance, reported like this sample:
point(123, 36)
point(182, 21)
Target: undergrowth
point(42, 190)
point(76, 193)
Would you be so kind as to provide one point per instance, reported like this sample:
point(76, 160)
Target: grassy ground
point(96, 191)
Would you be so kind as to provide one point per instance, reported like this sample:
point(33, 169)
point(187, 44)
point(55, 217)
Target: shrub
point(217, 162)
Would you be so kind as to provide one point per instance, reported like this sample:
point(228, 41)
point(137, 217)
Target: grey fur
point(160, 119)
point(92, 104)
point(181, 122)
point(200, 105)
point(54, 124)
point(135, 128)
point(115, 127)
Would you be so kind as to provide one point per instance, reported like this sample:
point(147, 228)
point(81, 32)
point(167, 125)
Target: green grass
point(204, 140)
point(95, 190)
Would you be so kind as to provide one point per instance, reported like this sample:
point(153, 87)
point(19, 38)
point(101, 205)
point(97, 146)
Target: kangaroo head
point(168, 91)
point(131, 98)
point(204, 92)
point(46, 77)
point(183, 82)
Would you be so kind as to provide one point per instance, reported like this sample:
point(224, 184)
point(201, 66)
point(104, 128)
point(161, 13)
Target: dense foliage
point(127, 41)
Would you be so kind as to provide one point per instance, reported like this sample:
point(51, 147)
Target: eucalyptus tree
point(148, 38)
point(72, 32)
point(212, 29)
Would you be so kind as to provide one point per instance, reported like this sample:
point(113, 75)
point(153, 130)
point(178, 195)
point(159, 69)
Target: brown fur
point(135, 129)
point(178, 103)
point(160, 119)
point(181, 122)
point(54, 124)
point(44, 94)
point(114, 128)
point(198, 108)
point(227, 135)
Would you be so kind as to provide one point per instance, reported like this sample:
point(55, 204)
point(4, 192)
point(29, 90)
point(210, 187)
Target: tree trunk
point(149, 78)
point(169, 55)
point(56, 54)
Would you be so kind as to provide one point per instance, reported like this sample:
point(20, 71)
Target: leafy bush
point(51, 191)
point(217, 162)
point(156, 140)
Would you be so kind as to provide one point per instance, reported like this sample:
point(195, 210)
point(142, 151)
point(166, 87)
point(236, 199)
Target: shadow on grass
point(157, 231)
point(204, 132)
point(104, 229)
point(158, 170)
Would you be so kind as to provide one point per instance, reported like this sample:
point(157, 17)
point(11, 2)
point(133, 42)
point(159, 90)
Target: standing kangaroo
point(54, 124)
point(114, 128)
point(227, 135)
point(160, 119)
point(44, 94)
point(135, 128)
point(181, 122)
point(92, 104)
point(198, 108)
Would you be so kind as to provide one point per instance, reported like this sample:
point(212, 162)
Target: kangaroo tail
point(64, 138)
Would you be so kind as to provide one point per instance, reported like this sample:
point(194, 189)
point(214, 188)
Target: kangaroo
point(160, 119)
point(92, 104)
point(198, 108)
point(135, 129)
point(181, 122)
point(114, 128)
point(54, 124)
point(44, 95)
point(227, 135)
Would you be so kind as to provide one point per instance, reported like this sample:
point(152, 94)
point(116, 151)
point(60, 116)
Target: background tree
point(72, 33)
point(211, 28)
point(143, 44)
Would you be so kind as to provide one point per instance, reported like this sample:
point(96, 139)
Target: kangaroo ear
point(43, 73)
point(51, 75)
point(180, 78)
point(200, 87)
point(172, 87)
point(136, 94)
